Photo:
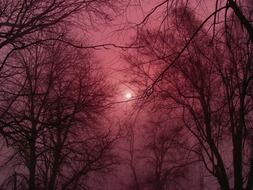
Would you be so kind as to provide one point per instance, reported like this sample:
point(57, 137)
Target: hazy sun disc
point(128, 95)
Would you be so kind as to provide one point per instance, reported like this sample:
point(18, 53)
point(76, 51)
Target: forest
point(126, 95)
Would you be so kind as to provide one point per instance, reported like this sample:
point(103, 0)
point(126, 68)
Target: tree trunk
point(238, 179)
point(32, 166)
point(55, 169)
point(244, 21)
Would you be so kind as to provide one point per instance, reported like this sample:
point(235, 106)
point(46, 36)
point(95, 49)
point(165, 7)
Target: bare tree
point(208, 87)
point(166, 153)
point(53, 122)
point(158, 155)
point(21, 20)
point(216, 15)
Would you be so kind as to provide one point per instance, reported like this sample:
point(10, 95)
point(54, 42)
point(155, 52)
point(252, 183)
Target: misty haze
point(126, 95)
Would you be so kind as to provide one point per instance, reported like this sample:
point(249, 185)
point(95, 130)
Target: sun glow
point(128, 95)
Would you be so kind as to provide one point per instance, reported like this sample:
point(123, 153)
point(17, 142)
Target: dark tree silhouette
point(208, 85)
point(58, 103)
point(219, 13)
point(21, 20)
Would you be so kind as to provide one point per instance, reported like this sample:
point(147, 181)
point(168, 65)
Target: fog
point(129, 95)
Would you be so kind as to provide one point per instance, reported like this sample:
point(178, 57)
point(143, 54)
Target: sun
point(128, 95)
